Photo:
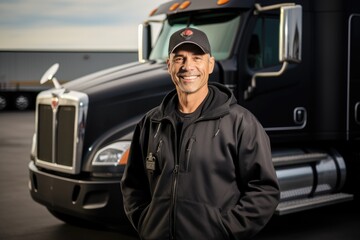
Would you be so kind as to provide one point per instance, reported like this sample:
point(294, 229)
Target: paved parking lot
point(22, 218)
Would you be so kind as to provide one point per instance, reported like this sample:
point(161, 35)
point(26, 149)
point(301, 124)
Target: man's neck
point(189, 102)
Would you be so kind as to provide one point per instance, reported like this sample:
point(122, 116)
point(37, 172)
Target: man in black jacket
point(200, 164)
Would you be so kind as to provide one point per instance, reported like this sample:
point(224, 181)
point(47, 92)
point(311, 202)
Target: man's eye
point(178, 60)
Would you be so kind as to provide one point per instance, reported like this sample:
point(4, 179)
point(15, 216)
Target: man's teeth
point(190, 77)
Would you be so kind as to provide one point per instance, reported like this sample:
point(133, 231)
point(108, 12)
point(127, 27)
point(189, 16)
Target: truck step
point(298, 205)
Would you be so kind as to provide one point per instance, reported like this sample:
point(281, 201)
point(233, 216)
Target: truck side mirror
point(290, 34)
point(290, 40)
point(144, 41)
point(50, 75)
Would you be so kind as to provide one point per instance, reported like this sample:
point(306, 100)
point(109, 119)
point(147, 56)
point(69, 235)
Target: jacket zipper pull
point(150, 162)
point(176, 169)
point(159, 146)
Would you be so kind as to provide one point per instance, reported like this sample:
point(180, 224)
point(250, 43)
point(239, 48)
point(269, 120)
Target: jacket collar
point(217, 107)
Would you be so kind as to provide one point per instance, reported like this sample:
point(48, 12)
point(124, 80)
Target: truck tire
point(22, 102)
point(3, 102)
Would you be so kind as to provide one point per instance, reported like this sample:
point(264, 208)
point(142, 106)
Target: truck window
point(263, 49)
point(220, 28)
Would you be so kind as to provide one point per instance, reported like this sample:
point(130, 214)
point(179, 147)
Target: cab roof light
point(185, 5)
point(152, 13)
point(222, 2)
point(174, 6)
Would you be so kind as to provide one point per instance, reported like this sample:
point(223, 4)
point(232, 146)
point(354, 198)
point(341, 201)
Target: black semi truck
point(295, 65)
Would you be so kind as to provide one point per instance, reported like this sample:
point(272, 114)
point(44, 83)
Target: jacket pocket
point(199, 221)
point(188, 154)
point(154, 221)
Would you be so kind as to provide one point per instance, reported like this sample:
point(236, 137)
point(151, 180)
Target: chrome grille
point(60, 124)
point(65, 135)
point(44, 134)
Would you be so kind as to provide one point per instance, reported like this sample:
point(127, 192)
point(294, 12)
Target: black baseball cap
point(189, 35)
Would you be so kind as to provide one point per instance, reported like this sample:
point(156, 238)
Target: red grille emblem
point(54, 103)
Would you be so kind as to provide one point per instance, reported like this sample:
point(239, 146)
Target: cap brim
point(191, 42)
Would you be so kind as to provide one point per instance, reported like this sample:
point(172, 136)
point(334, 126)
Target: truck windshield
point(221, 29)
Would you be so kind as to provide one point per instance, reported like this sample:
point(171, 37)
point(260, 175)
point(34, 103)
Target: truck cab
point(292, 64)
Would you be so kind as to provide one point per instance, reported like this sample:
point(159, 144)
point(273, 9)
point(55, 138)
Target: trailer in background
point(20, 72)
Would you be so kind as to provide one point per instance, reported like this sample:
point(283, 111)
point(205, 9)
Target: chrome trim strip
point(286, 128)
point(54, 135)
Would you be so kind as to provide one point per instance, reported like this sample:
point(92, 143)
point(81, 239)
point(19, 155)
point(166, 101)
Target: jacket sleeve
point(134, 183)
point(257, 181)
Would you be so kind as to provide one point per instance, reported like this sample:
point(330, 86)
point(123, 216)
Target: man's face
point(189, 68)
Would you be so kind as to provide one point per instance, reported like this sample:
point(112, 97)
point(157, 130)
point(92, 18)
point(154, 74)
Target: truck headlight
point(114, 154)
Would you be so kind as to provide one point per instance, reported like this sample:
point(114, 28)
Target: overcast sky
point(72, 24)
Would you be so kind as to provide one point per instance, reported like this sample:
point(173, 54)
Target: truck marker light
point(185, 4)
point(222, 2)
point(174, 6)
point(152, 13)
point(124, 158)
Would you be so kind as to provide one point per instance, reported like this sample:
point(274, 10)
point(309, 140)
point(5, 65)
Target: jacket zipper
point(175, 173)
point(175, 181)
point(173, 202)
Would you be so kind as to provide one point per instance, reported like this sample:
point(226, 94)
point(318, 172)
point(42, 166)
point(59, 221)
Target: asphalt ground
point(22, 218)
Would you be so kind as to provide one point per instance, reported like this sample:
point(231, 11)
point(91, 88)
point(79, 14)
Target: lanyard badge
point(150, 162)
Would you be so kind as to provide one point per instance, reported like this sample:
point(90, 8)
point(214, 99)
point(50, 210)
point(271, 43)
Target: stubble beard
point(188, 92)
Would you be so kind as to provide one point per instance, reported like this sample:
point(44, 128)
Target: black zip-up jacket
point(218, 183)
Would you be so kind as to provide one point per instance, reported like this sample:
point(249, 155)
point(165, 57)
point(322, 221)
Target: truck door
point(354, 77)
point(280, 103)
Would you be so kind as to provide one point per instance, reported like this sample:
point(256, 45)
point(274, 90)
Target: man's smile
point(188, 78)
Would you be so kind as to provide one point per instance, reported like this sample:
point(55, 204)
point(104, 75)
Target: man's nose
point(188, 65)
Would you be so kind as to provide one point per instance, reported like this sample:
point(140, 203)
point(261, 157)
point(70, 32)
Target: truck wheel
point(22, 102)
point(3, 102)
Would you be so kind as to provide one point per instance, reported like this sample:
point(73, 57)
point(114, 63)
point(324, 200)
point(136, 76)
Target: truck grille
point(60, 124)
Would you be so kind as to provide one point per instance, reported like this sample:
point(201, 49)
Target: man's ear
point(168, 64)
point(211, 64)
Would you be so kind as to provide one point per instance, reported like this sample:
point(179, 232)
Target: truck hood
point(118, 77)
